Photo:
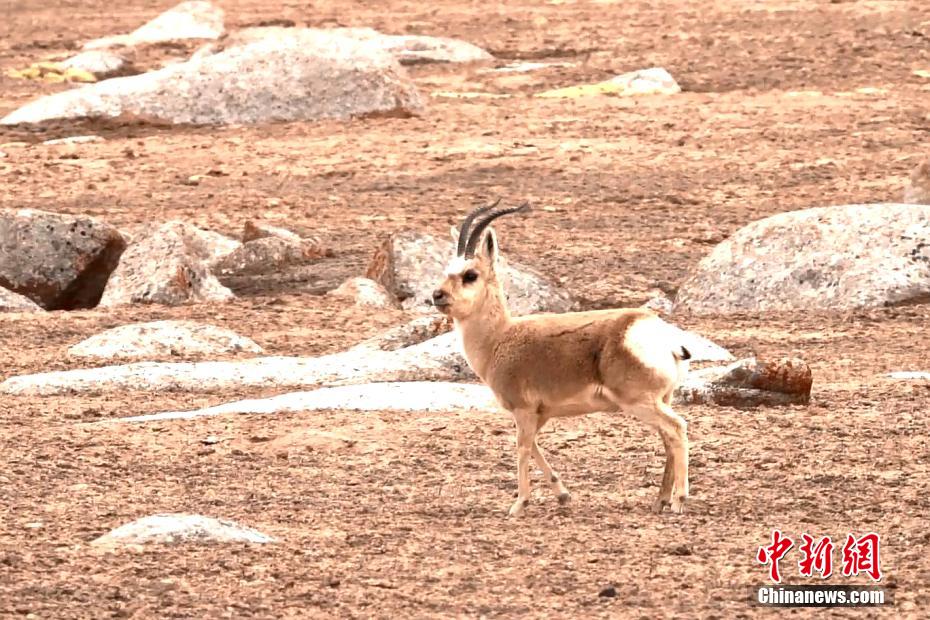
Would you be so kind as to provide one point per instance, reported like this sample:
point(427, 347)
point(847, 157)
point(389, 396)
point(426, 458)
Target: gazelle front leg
point(526, 439)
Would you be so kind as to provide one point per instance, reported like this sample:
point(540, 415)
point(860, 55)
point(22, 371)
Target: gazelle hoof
point(564, 498)
point(518, 507)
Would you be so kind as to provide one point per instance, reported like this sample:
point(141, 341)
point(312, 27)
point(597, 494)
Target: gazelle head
point(471, 276)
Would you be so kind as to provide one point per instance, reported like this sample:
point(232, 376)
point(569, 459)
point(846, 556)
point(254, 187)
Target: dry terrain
point(786, 105)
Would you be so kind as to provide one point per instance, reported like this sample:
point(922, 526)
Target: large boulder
point(188, 20)
point(59, 261)
point(301, 76)
point(410, 265)
point(171, 266)
point(14, 302)
point(828, 258)
point(163, 339)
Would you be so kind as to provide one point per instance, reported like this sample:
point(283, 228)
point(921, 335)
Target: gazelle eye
point(469, 276)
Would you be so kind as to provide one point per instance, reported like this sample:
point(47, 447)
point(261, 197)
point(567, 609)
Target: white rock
point(746, 383)
point(188, 20)
point(416, 49)
point(102, 64)
point(14, 302)
point(286, 78)
point(162, 339)
point(424, 396)
point(653, 81)
point(829, 258)
point(73, 140)
point(437, 359)
point(910, 375)
point(407, 49)
point(365, 293)
point(181, 528)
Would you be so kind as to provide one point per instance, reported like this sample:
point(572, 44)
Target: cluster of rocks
point(62, 262)
point(266, 74)
point(253, 75)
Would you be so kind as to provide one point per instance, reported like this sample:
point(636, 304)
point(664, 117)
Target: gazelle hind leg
point(673, 430)
point(668, 477)
point(678, 446)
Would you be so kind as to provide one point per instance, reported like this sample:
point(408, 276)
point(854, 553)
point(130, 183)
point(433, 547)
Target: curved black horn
point(475, 236)
point(466, 224)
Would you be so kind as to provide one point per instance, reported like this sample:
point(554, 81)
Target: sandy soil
point(787, 105)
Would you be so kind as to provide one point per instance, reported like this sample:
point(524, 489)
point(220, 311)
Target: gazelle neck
point(481, 331)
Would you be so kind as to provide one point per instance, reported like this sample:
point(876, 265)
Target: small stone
point(659, 303)
point(910, 375)
point(73, 140)
point(181, 528)
point(102, 64)
point(608, 592)
point(365, 293)
point(14, 302)
point(268, 254)
point(257, 230)
point(653, 81)
point(918, 189)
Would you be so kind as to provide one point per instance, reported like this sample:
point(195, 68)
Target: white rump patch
point(657, 345)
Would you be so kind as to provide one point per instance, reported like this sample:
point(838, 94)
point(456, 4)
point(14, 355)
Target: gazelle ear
point(454, 232)
point(487, 248)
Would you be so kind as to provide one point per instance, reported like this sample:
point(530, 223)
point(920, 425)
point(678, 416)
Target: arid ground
point(786, 105)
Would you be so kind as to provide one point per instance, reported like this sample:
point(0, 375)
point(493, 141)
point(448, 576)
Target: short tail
point(683, 355)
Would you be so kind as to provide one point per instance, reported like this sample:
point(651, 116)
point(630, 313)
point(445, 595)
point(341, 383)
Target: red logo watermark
point(860, 555)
